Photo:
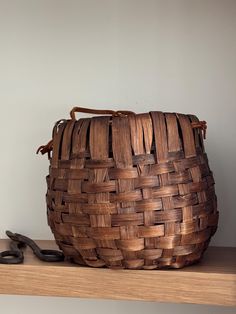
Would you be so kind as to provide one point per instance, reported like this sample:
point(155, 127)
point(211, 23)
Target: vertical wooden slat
point(79, 147)
point(136, 133)
point(66, 149)
point(147, 131)
point(197, 133)
point(99, 138)
point(160, 135)
point(75, 142)
point(159, 126)
point(187, 133)
point(57, 136)
point(122, 153)
point(196, 171)
point(99, 150)
point(67, 140)
point(141, 140)
point(121, 143)
point(172, 133)
point(79, 143)
point(189, 151)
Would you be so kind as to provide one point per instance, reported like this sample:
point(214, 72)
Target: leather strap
point(99, 111)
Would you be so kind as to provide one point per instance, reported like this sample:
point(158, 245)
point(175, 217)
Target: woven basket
point(130, 190)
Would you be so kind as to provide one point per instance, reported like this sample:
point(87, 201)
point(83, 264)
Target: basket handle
point(119, 113)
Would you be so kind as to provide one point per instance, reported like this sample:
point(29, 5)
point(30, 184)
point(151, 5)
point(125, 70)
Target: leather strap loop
point(119, 113)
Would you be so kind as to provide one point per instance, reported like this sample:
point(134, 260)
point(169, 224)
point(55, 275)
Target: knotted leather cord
point(201, 125)
point(43, 149)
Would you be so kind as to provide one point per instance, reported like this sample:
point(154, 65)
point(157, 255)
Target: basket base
point(100, 264)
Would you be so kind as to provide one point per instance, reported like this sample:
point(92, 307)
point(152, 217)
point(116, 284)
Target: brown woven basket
point(130, 190)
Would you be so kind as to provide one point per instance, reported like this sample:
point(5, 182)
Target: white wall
point(172, 55)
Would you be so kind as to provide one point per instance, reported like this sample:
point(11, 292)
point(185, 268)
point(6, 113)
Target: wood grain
point(212, 281)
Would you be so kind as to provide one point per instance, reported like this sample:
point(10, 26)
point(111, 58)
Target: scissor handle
point(11, 257)
point(50, 255)
point(43, 254)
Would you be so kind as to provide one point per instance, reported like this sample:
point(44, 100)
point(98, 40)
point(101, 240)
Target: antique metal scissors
point(15, 253)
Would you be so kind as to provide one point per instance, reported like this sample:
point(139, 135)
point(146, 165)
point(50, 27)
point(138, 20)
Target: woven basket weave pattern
point(131, 191)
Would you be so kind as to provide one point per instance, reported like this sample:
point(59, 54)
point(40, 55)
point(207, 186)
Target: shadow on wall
point(218, 152)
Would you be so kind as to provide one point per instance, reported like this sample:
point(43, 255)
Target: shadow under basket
point(130, 190)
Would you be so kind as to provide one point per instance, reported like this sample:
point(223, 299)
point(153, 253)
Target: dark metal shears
point(15, 254)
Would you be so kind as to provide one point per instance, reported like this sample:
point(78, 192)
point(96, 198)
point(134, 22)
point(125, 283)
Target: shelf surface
point(212, 281)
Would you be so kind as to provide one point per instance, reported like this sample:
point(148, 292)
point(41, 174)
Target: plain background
point(143, 55)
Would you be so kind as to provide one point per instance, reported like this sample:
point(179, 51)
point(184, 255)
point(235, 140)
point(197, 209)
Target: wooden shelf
point(212, 281)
